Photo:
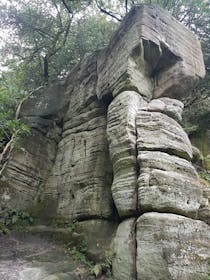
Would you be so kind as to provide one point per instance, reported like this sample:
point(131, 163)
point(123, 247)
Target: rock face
point(79, 184)
point(122, 112)
point(153, 47)
point(161, 254)
point(107, 149)
point(158, 132)
point(125, 248)
point(168, 184)
point(25, 172)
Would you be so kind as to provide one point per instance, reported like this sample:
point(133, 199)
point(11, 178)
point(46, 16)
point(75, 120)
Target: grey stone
point(172, 247)
point(197, 156)
point(61, 276)
point(158, 132)
point(79, 185)
point(121, 134)
point(168, 184)
point(26, 170)
point(124, 246)
point(25, 256)
point(204, 210)
point(151, 55)
point(34, 273)
point(171, 107)
point(98, 235)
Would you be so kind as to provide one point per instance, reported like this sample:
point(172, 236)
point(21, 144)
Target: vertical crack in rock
point(136, 246)
point(138, 170)
point(121, 133)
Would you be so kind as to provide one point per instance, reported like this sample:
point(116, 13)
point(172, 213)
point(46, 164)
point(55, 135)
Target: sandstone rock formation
point(108, 145)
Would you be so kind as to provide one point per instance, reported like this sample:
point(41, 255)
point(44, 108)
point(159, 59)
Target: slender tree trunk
point(46, 73)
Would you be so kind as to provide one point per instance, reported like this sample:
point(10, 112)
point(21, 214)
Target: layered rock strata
point(107, 149)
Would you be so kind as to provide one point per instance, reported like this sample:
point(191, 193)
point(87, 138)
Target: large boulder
point(172, 247)
point(148, 52)
point(158, 132)
point(168, 184)
point(106, 146)
point(124, 248)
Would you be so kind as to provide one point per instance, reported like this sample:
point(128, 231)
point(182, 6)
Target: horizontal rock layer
point(158, 132)
point(168, 184)
point(171, 107)
point(79, 184)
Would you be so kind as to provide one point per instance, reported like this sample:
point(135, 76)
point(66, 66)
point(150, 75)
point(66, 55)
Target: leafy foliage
point(13, 219)
point(11, 93)
point(205, 175)
point(104, 267)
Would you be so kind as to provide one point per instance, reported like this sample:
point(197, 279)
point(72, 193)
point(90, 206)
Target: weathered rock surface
point(172, 247)
point(98, 235)
point(79, 184)
point(158, 132)
point(25, 172)
point(101, 138)
point(204, 210)
point(124, 246)
point(153, 51)
point(121, 133)
point(168, 184)
point(171, 107)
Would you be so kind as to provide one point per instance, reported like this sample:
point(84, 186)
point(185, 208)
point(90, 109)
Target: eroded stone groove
point(109, 142)
point(122, 146)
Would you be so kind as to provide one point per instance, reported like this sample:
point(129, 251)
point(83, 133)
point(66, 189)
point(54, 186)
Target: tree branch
point(107, 12)
point(126, 6)
point(69, 10)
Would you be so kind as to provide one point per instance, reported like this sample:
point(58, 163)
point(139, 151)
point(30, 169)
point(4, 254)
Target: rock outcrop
point(107, 149)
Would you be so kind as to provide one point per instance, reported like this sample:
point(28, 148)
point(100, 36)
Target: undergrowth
point(14, 220)
point(78, 251)
point(205, 174)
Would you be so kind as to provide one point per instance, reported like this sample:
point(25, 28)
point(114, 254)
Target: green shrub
point(14, 219)
point(205, 175)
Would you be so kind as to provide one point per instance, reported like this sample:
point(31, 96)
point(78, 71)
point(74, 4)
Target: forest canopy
point(41, 40)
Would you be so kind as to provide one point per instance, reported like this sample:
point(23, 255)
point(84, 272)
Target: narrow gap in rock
point(135, 256)
point(137, 166)
point(107, 99)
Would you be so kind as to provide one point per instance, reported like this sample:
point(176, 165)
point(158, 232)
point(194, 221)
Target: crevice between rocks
point(169, 152)
point(137, 166)
point(135, 246)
